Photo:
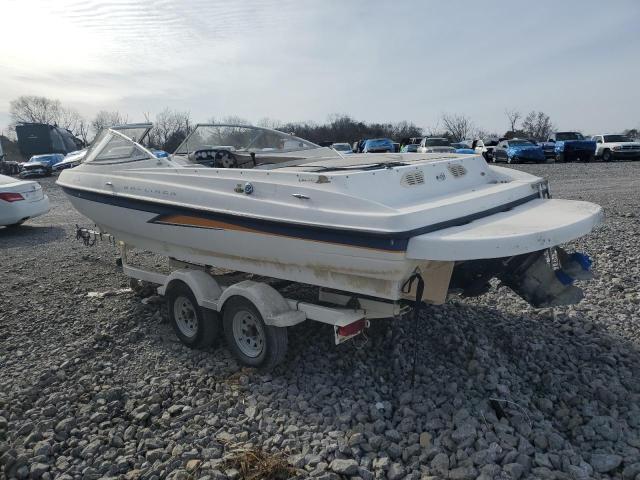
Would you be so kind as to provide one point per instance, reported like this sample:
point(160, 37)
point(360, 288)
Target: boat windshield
point(242, 138)
point(135, 131)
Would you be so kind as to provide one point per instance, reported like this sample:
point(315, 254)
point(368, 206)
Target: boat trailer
point(252, 315)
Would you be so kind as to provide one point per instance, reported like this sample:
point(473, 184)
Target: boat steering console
point(216, 158)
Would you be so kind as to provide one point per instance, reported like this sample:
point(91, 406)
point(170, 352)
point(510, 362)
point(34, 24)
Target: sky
point(295, 60)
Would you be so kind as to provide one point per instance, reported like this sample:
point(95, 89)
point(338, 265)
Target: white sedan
point(20, 200)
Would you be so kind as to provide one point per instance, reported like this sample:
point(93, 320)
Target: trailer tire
point(252, 342)
point(195, 326)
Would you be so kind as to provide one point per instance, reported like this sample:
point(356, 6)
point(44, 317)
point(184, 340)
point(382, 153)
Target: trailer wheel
point(195, 326)
point(252, 341)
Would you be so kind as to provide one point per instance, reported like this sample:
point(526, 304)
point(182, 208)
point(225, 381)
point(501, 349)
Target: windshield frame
point(186, 148)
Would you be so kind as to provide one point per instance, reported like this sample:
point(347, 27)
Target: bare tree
point(434, 130)
point(105, 119)
point(32, 108)
point(537, 125)
point(485, 134)
point(82, 130)
point(71, 120)
point(513, 115)
point(458, 127)
point(35, 109)
point(271, 123)
point(170, 128)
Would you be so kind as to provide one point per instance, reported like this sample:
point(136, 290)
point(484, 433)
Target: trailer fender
point(204, 286)
point(275, 310)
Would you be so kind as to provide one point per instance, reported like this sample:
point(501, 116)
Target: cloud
point(303, 60)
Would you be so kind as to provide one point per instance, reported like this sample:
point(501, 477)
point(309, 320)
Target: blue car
point(462, 147)
point(518, 150)
point(378, 145)
point(40, 165)
point(570, 146)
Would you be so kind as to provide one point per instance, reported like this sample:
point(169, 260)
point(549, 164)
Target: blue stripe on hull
point(393, 241)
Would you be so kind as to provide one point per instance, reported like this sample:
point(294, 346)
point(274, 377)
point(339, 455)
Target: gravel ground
point(95, 387)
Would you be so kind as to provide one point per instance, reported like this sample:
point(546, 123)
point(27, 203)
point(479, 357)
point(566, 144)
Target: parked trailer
point(253, 316)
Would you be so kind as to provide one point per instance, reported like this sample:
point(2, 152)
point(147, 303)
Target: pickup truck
point(569, 147)
point(485, 147)
point(435, 145)
point(611, 147)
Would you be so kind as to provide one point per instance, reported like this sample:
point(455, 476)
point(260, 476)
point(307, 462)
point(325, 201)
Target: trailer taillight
point(11, 196)
point(352, 328)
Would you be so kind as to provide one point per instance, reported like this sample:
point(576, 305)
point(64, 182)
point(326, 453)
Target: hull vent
point(412, 179)
point(457, 170)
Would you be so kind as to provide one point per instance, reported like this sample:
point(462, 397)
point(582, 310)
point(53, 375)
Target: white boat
point(280, 206)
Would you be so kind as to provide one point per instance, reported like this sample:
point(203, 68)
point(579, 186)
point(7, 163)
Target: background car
point(463, 147)
point(342, 147)
point(20, 200)
point(485, 147)
point(518, 150)
point(40, 165)
point(70, 160)
point(378, 145)
point(411, 148)
point(613, 147)
point(435, 145)
point(570, 146)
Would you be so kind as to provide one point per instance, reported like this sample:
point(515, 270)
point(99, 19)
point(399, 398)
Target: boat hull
point(367, 271)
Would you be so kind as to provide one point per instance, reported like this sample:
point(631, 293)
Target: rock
point(382, 463)
point(42, 448)
point(141, 414)
point(65, 425)
point(393, 435)
point(463, 473)
point(344, 466)
point(513, 470)
point(425, 440)
point(193, 465)
point(465, 433)
point(25, 429)
point(37, 470)
point(630, 472)
point(578, 472)
point(134, 474)
point(356, 439)
point(153, 455)
point(394, 450)
point(365, 474)
point(117, 441)
point(542, 460)
point(396, 472)
point(440, 463)
point(604, 462)
point(555, 441)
